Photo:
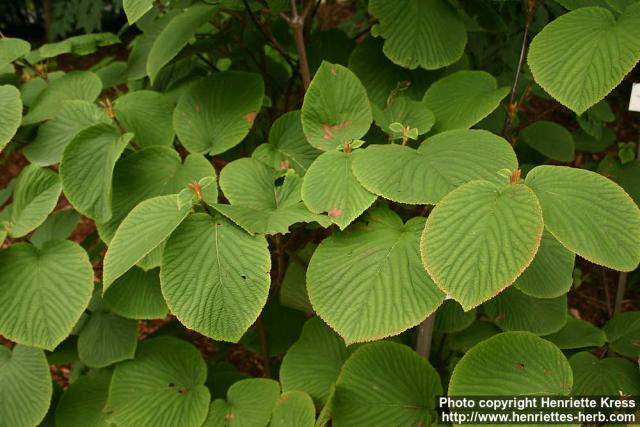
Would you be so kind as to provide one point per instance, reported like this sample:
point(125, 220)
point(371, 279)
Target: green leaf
point(58, 226)
point(137, 295)
point(512, 363)
point(25, 386)
point(514, 311)
point(369, 284)
point(410, 113)
point(176, 35)
point(162, 386)
point(148, 115)
point(12, 49)
point(381, 77)
point(87, 169)
point(425, 33)
point(150, 172)
point(36, 194)
point(287, 147)
point(623, 333)
point(587, 143)
point(293, 409)
point(146, 227)
point(215, 277)
point(216, 113)
point(498, 231)
point(83, 402)
point(589, 214)
point(603, 377)
point(43, 291)
point(293, 290)
point(479, 331)
point(54, 136)
point(141, 45)
point(550, 274)
point(313, 363)
point(258, 204)
point(83, 44)
point(10, 112)
point(135, 9)
point(106, 338)
point(550, 139)
point(385, 383)
point(442, 163)
point(460, 100)
point(577, 334)
point(81, 85)
point(330, 186)
point(249, 404)
point(336, 109)
point(583, 55)
point(451, 318)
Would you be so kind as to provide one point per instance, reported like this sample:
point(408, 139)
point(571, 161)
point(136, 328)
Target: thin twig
point(425, 333)
point(269, 37)
point(296, 22)
point(513, 105)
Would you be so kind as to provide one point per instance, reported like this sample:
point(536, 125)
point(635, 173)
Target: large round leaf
point(512, 363)
point(216, 113)
point(106, 338)
point(83, 85)
point(462, 99)
point(589, 214)
point(287, 147)
point(313, 363)
point(43, 291)
point(425, 33)
point(514, 311)
point(25, 386)
point(385, 383)
point(83, 402)
point(612, 376)
point(258, 203)
point(53, 136)
point(550, 139)
point(550, 274)
point(215, 277)
point(293, 409)
point(442, 163)
point(146, 114)
point(330, 186)
point(150, 172)
point(163, 386)
point(480, 238)
point(87, 169)
point(577, 333)
point(369, 284)
point(35, 195)
point(10, 113)
point(336, 109)
point(249, 404)
point(582, 55)
point(623, 333)
point(147, 226)
point(137, 295)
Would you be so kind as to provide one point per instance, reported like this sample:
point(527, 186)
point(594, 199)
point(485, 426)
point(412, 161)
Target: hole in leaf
point(244, 277)
point(279, 181)
point(172, 385)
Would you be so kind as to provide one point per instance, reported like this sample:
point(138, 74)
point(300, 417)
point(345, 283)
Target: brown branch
point(425, 334)
point(296, 22)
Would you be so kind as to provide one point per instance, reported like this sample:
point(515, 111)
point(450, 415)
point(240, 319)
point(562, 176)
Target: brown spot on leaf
point(197, 107)
point(335, 212)
point(327, 128)
point(284, 165)
point(229, 416)
point(250, 117)
point(333, 71)
point(520, 365)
